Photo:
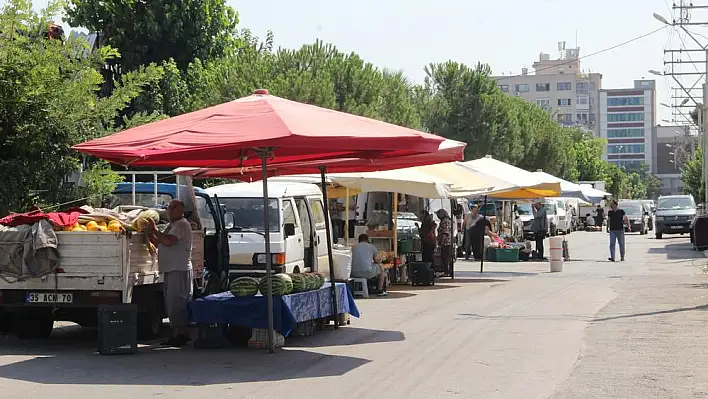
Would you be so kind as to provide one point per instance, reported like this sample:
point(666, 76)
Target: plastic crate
point(117, 329)
point(504, 254)
point(405, 246)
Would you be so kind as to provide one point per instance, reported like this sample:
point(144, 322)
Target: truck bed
point(100, 261)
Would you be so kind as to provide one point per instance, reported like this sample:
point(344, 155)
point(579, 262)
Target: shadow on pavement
point(393, 293)
point(658, 312)
point(346, 336)
point(679, 250)
point(61, 361)
point(492, 274)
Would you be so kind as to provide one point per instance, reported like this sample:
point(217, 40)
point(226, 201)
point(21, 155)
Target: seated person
point(367, 264)
point(589, 220)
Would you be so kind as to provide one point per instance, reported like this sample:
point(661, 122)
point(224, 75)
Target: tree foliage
point(692, 177)
point(146, 32)
point(49, 102)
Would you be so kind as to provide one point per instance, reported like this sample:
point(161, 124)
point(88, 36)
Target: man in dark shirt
point(617, 220)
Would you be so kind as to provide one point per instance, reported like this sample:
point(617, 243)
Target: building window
point(504, 88)
point(626, 117)
point(592, 118)
point(582, 87)
point(543, 87)
point(564, 102)
point(582, 100)
point(522, 88)
point(625, 133)
point(544, 103)
point(565, 118)
point(624, 101)
point(582, 117)
point(625, 164)
point(562, 86)
point(625, 149)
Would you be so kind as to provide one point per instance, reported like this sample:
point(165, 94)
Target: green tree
point(49, 102)
point(637, 188)
point(616, 181)
point(588, 153)
point(692, 177)
point(154, 31)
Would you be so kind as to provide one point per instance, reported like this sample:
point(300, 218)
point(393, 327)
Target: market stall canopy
point(568, 189)
point(448, 151)
point(238, 133)
point(520, 184)
point(592, 194)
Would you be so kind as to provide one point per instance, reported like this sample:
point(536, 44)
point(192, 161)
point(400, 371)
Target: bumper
point(673, 227)
point(635, 227)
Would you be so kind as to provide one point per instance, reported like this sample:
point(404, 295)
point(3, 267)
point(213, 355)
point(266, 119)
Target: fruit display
point(299, 283)
point(141, 222)
point(113, 226)
point(244, 286)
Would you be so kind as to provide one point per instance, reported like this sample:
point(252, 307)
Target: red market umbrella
point(262, 130)
point(448, 151)
point(235, 134)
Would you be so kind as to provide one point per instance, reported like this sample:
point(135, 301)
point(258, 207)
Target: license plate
point(50, 297)
point(676, 227)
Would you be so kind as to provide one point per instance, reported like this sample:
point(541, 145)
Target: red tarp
point(61, 219)
point(448, 151)
point(227, 134)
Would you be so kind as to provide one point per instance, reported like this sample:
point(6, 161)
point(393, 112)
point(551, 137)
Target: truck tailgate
point(91, 254)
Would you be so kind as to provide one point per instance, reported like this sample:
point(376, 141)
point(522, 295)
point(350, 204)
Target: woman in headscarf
point(445, 238)
point(427, 236)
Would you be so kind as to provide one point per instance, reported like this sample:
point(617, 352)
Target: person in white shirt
point(367, 264)
point(174, 256)
point(352, 215)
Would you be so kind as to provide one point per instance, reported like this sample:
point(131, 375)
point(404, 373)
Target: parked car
point(674, 214)
point(638, 214)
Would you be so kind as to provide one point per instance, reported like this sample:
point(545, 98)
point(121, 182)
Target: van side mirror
point(289, 229)
point(229, 220)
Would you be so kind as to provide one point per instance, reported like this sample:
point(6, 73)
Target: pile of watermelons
point(282, 284)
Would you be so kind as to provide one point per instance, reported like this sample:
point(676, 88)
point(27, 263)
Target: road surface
point(597, 330)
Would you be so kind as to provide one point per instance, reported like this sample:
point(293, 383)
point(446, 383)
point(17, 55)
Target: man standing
point(174, 255)
point(617, 220)
point(367, 264)
point(539, 226)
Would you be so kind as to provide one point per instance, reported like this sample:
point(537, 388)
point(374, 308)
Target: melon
point(299, 283)
point(310, 282)
point(320, 279)
point(244, 286)
point(282, 284)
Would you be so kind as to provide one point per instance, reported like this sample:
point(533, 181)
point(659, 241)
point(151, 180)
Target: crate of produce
point(504, 254)
point(117, 329)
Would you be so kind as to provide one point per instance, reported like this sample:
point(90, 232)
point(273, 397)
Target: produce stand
point(221, 310)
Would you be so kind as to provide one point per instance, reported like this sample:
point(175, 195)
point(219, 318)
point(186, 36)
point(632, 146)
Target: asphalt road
point(597, 330)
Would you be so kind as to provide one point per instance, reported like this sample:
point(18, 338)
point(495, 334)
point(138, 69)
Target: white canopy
point(401, 181)
point(568, 189)
point(516, 182)
point(592, 194)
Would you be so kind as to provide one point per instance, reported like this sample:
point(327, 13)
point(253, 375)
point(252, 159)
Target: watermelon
point(299, 283)
point(320, 279)
point(310, 282)
point(282, 284)
point(244, 286)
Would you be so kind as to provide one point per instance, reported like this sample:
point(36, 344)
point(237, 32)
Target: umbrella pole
point(330, 256)
point(268, 256)
point(346, 216)
point(484, 223)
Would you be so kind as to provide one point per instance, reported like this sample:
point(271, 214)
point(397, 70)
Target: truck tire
point(33, 324)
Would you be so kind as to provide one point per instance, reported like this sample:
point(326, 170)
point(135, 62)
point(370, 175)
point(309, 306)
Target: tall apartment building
point(559, 86)
point(627, 118)
point(673, 146)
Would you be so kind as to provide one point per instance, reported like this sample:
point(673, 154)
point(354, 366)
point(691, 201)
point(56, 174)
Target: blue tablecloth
point(288, 310)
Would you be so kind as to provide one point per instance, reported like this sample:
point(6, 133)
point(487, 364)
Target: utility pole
point(688, 66)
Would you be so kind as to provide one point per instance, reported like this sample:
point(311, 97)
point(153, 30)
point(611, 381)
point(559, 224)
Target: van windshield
point(524, 209)
point(676, 203)
point(141, 199)
point(248, 213)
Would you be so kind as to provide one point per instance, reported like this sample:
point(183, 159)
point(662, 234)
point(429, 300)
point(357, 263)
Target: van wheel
point(296, 270)
point(150, 325)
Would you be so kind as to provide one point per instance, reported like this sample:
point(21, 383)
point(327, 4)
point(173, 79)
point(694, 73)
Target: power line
point(591, 54)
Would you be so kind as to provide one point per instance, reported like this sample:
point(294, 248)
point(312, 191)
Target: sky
point(506, 34)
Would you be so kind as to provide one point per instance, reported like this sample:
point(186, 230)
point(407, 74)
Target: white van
point(559, 219)
point(296, 219)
